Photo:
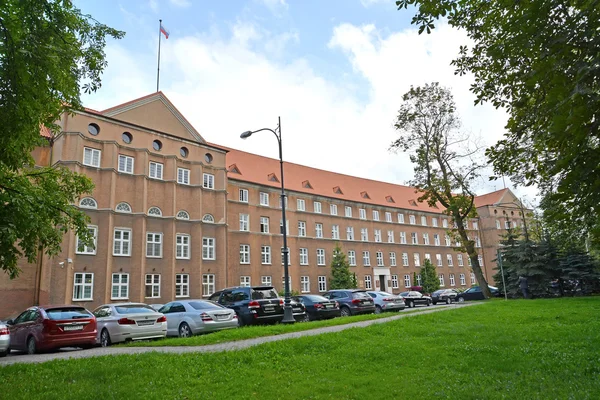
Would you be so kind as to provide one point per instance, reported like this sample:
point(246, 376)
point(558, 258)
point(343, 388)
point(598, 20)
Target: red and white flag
point(164, 31)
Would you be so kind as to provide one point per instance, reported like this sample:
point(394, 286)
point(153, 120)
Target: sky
point(334, 71)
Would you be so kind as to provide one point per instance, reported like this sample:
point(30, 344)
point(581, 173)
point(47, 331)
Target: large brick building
point(175, 216)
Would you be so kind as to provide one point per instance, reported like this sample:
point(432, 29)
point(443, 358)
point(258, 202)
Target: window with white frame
point(245, 281)
point(447, 239)
point(125, 164)
point(183, 215)
point(152, 285)
point(466, 222)
point(88, 202)
point(287, 226)
point(264, 224)
point(426, 238)
point(305, 284)
point(317, 207)
point(123, 207)
point(83, 286)
point(368, 284)
point(208, 284)
point(414, 238)
point(441, 277)
point(434, 222)
point(352, 258)
point(428, 257)
point(156, 170)
point(438, 259)
point(244, 222)
point(266, 281)
point(388, 217)
point(444, 222)
point(122, 242)
point(463, 281)
point(423, 220)
point(320, 256)
point(364, 235)
point(322, 283)
point(183, 176)
point(405, 259)
point(393, 259)
point(155, 212)
point(507, 224)
point(182, 246)
point(208, 248)
point(244, 254)
point(333, 209)
point(366, 258)
point(377, 233)
point(402, 237)
point(265, 255)
point(469, 261)
point(120, 287)
point(349, 233)
point(390, 235)
point(318, 230)
point(436, 239)
point(286, 202)
point(412, 219)
point(303, 256)
point(407, 280)
point(475, 225)
point(243, 195)
point(472, 278)
point(208, 181)
point(362, 213)
point(153, 245)
point(452, 281)
point(459, 259)
point(289, 282)
point(300, 205)
point(83, 248)
point(375, 215)
point(301, 228)
point(477, 241)
point(335, 231)
point(480, 259)
point(264, 199)
point(289, 260)
point(449, 259)
point(395, 282)
point(91, 157)
point(348, 211)
point(417, 259)
point(400, 218)
point(379, 257)
point(498, 225)
point(182, 285)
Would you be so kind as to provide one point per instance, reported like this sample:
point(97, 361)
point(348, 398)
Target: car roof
point(123, 304)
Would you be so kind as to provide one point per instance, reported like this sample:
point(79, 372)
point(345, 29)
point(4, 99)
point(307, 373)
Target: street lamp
point(288, 316)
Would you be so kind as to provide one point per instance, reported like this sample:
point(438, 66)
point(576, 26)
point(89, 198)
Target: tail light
point(318, 305)
point(355, 301)
point(337, 305)
point(205, 317)
point(254, 304)
point(388, 299)
point(4, 331)
point(280, 302)
point(126, 321)
point(234, 316)
point(162, 319)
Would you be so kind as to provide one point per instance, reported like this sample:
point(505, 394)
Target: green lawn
point(540, 349)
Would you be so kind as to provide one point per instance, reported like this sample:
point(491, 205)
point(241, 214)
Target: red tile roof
point(490, 198)
point(45, 132)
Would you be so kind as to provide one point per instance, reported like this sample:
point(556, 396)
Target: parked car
point(156, 307)
point(51, 327)
point(385, 301)
point(121, 322)
point(4, 339)
point(352, 301)
point(475, 293)
point(191, 317)
point(318, 307)
point(412, 298)
point(443, 296)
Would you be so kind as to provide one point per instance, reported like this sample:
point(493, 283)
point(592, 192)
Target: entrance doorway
point(382, 283)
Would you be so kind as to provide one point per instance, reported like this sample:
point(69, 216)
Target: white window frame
point(287, 226)
point(352, 258)
point(333, 209)
point(152, 244)
point(209, 248)
point(303, 256)
point(402, 237)
point(450, 260)
point(121, 248)
point(379, 258)
point(208, 284)
point(444, 222)
point(319, 230)
point(94, 155)
point(405, 260)
point(122, 285)
point(183, 176)
point(366, 258)
point(417, 259)
point(400, 218)
point(243, 195)
point(245, 281)
point(473, 281)
point(459, 260)
point(375, 215)
point(448, 241)
point(244, 222)
point(158, 170)
point(436, 239)
point(321, 257)
point(317, 207)
point(412, 219)
point(480, 259)
point(300, 205)
point(244, 254)
point(393, 261)
point(182, 246)
point(208, 181)
point(434, 222)
point(475, 225)
point(127, 165)
point(364, 235)
point(362, 213)
point(350, 233)
point(123, 207)
point(418, 279)
point(79, 289)
point(301, 228)
point(368, 282)
point(264, 199)
point(348, 211)
point(395, 282)
point(377, 233)
point(414, 238)
point(264, 224)
point(322, 283)
point(390, 236)
point(423, 220)
point(182, 282)
point(426, 239)
point(85, 249)
point(452, 280)
point(265, 255)
point(407, 281)
point(305, 284)
point(463, 281)
point(335, 232)
point(153, 284)
point(266, 280)
point(388, 217)
point(441, 278)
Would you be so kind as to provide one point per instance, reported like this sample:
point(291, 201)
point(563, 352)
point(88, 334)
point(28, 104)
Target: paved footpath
point(227, 346)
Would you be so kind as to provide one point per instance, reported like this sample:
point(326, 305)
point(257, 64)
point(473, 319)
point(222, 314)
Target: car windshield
point(360, 295)
point(68, 313)
point(403, 294)
point(264, 293)
point(438, 292)
point(134, 309)
point(315, 298)
point(204, 305)
point(386, 294)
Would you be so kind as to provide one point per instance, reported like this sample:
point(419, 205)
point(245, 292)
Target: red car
point(52, 327)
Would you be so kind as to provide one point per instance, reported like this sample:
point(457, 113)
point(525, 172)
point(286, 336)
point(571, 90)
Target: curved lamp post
point(288, 316)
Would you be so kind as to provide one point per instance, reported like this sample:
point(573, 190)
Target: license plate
point(269, 308)
point(221, 317)
point(328, 305)
point(72, 328)
point(145, 323)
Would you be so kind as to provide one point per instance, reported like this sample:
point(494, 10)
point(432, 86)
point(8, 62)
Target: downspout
point(40, 262)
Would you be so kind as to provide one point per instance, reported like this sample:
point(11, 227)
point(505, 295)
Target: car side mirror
point(10, 322)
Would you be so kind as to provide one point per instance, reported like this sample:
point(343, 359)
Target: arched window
point(123, 207)
point(183, 215)
point(155, 212)
point(88, 202)
point(208, 218)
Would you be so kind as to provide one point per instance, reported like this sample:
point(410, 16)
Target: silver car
point(120, 322)
point(385, 301)
point(190, 317)
point(4, 340)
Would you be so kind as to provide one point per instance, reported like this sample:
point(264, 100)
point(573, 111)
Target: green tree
point(429, 277)
point(538, 60)
point(341, 277)
point(49, 52)
point(444, 161)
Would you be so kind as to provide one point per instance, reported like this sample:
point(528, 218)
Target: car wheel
point(4, 353)
point(306, 318)
point(461, 299)
point(411, 304)
point(184, 330)
point(378, 310)
point(240, 321)
point(345, 312)
point(434, 302)
point(448, 300)
point(428, 303)
point(104, 338)
point(31, 346)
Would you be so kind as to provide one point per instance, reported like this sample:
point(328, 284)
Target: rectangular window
point(472, 278)
point(449, 259)
point(475, 225)
point(362, 213)
point(301, 228)
point(348, 211)
point(426, 239)
point(208, 181)
point(153, 245)
point(265, 255)
point(264, 224)
point(436, 239)
point(405, 259)
point(335, 231)
point(286, 202)
point(125, 164)
point(414, 238)
point(83, 286)
point(182, 285)
point(438, 259)
point(418, 279)
point(459, 259)
point(322, 283)
point(388, 217)
point(444, 223)
point(305, 284)
point(390, 236)
point(264, 199)
point(333, 209)
point(507, 224)
point(395, 282)
point(423, 220)
point(463, 281)
point(288, 256)
point(182, 247)
point(368, 284)
point(317, 207)
point(266, 281)
point(84, 249)
point(287, 226)
point(477, 241)
point(122, 242)
point(91, 157)
point(379, 257)
point(245, 281)
point(393, 259)
point(120, 287)
point(320, 256)
point(244, 222)
point(183, 176)
point(300, 205)
point(289, 283)
point(364, 235)
point(466, 225)
point(152, 285)
point(208, 248)
point(366, 259)
point(208, 284)
point(452, 281)
point(319, 230)
point(434, 222)
point(349, 233)
point(400, 218)
point(442, 280)
point(428, 256)
point(480, 259)
point(407, 281)
point(412, 219)
point(469, 261)
point(156, 170)
point(352, 258)
point(447, 238)
point(402, 237)
point(377, 233)
point(375, 215)
point(417, 260)
point(244, 254)
point(303, 256)
point(243, 195)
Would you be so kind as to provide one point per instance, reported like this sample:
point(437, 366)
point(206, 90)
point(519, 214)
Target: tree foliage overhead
point(49, 52)
point(539, 60)
point(341, 277)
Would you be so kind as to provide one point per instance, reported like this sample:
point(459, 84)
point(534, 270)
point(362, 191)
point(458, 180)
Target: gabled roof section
point(234, 169)
point(272, 177)
point(155, 111)
point(389, 199)
point(306, 184)
point(492, 198)
point(337, 190)
point(413, 203)
point(364, 195)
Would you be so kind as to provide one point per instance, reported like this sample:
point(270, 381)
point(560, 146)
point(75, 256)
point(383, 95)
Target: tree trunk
point(469, 246)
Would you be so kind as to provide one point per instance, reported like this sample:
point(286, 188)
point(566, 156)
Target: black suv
point(256, 304)
point(352, 301)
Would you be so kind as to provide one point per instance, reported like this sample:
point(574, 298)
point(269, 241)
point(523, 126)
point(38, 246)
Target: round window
point(208, 158)
point(157, 145)
point(184, 152)
point(93, 129)
point(127, 138)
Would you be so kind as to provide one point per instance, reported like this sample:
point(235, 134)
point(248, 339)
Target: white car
point(4, 340)
point(121, 322)
point(191, 317)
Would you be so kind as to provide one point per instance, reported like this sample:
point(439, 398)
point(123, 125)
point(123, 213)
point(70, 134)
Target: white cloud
point(181, 3)
point(153, 4)
point(277, 7)
point(369, 3)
